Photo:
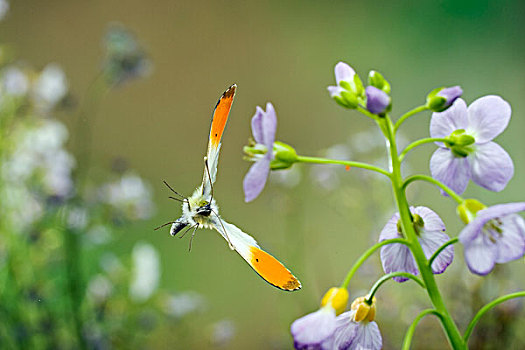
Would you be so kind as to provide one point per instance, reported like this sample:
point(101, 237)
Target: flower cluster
point(414, 241)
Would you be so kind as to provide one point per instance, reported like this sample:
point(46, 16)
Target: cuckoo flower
point(431, 235)
point(494, 235)
point(264, 125)
point(470, 152)
point(356, 329)
point(349, 91)
point(315, 330)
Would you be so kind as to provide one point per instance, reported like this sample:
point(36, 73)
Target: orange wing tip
point(230, 91)
point(273, 271)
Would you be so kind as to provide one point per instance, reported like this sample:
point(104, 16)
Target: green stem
point(316, 160)
point(367, 113)
point(410, 331)
point(366, 255)
point(438, 183)
point(389, 276)
point(440, 249)
point(486, 308)
point(427, 275)
point(408, 115)
point(418, 143)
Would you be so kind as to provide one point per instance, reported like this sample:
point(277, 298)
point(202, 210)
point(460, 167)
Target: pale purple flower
point(483, 161)
point(495, 235)
point(314, 331)
point(352, 335)
point(451, 94)
point(377, 100)
point(264, 125)
point(344, 74)
point(431, 235)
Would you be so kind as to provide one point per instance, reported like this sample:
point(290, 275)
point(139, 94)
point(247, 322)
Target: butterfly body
point(200, 210)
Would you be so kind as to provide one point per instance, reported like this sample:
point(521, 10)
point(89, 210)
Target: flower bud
point(337, 298)
point(364, 309)
point(377, 101)
point(377, 80)
point(440, 99)
point(468, 209)
point(284, 156)
point(459, 143)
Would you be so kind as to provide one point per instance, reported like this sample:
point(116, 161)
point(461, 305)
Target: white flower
point(99, 288)
point(14, 81)
point(50, 87)
point(130, 195)
point(146, 272)
point(223, 332)
point(4, 8)
point(181, 304)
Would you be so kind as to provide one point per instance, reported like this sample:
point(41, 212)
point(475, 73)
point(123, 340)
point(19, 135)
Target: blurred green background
point(284, 52)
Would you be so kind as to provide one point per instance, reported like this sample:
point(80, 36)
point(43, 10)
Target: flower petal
point(390, 229)
point(491, 166)
point(431, 220)
point(449, 169)
point(444, 123)
point(488, 116)
point(397, 257)
point(269, 124)
point(335, 90)
point(376, 100)
point(368, 337)
point(480, 254)
point(345, 330)
point(255, 179)
point(430, 242)
point(511, 243)
point(343, 72)
point(257, 125)
point(313, 329)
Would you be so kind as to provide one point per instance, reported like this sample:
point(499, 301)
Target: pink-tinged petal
point(343, 72)
point(473, 229)
point(397, 257)
point(491, 166)
point(430, 242)
point(257, 125)
point(345, 330)
point(368, 337)
point(451, 170)
point(431, 220)
point(269, 125)
point(255, 179)
point(480, 254)
point(442, 124)
point(335, 91)
point(488, 116)
point(511, 243)
point(310, 331)
point(376, 100)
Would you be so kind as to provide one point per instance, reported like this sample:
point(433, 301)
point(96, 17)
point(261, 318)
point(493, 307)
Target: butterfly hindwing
point(266, 266)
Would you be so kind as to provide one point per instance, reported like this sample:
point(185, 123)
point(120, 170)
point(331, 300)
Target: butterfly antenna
point(178, 199)
point(209, 177)
point(166, 224)
point(224, 229)
point(192, 235)
point(172, 190)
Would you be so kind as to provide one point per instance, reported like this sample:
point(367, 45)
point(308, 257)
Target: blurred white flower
point(367, 141)
point(40, 150)
point(130, 195)
point(50, 87)
point(4, 8)
point(99, 288)
point(184, 303)
point(146, 272)
point(222, 332)
point(99, 234)
point(14, 80)
point(111, 264)
point(21, 208)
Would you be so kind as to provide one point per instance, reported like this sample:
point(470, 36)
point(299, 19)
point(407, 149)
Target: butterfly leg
point(193, 235)
point(224, 230)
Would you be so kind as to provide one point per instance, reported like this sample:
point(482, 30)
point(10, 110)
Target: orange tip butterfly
point(200, 210)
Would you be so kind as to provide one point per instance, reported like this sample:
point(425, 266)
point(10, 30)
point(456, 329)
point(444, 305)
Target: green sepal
point(468, 209)
point(284, 156)
point(377, 80)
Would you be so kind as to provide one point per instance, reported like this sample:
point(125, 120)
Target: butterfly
point(200, 210)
